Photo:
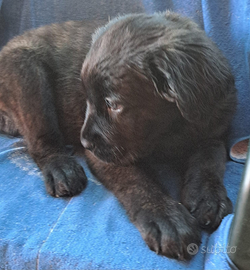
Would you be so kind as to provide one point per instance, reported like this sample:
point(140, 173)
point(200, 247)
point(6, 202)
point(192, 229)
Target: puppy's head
point(141, 75)
point(124, 117)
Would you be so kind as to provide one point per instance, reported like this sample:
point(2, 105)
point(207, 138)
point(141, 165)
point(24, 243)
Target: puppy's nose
point(87, 144)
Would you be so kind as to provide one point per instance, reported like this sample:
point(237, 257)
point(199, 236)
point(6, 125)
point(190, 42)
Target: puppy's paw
point(169, 232)
point(64, 177)
point(208, 206)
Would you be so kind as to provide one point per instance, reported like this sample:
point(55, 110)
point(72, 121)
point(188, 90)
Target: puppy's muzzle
point(86, 142)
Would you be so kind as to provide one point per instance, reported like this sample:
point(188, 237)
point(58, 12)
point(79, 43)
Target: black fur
point(151, 87)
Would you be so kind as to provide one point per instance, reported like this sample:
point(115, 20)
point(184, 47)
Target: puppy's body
point(41, 98)
point(56, 52)
point(151, 85)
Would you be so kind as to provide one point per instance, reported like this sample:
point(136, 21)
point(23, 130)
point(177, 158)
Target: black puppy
point(150, 86)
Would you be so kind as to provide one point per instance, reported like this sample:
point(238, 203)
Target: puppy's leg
point(165, 225)
point(203, 192)
point(26, 95)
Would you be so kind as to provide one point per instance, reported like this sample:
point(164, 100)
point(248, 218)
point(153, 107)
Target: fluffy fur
point(151, 87)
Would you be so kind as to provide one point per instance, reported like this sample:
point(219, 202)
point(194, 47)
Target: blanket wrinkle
point(49, 234)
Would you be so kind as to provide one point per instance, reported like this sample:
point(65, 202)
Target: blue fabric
point(217, 249)
point(89, 231)
point(16, 16)
point(92, 231)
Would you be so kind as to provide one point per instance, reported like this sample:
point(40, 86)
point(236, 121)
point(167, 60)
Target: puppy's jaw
point(114, 155)
point(96, 136)
point(106, 143)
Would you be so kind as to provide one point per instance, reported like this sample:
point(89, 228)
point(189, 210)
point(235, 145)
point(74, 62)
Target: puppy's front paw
point(169, 232)
point(209, 206)
point(64, 177)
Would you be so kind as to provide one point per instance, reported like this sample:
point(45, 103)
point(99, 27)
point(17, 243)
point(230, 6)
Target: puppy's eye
point(113, 106)
point(110, 104)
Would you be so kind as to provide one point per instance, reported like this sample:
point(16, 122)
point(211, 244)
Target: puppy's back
point(54, 43)
point(57, 50)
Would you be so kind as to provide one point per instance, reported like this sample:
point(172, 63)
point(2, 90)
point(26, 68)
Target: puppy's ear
point(184, 78)
point(161, 77)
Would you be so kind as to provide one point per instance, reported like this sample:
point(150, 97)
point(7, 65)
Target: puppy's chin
point(114, 156)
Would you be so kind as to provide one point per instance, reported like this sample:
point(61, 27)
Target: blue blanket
point(89, 231)
point(92, 231)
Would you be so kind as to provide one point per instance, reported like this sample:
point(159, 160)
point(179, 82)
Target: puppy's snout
point(85, 138)
point(87, 144)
